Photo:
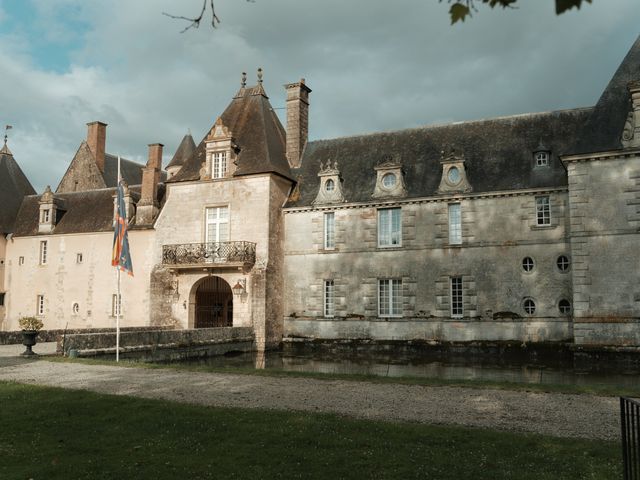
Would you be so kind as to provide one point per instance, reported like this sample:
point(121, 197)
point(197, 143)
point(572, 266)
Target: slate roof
point(603, 130)
point(498, 155)
point(185, 150)
point(82, 212)
point(14, 185)
point(131, 171)
point(257, 132)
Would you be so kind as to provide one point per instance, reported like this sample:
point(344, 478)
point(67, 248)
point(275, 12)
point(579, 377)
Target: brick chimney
point(148, 204)
point(297, 121)
point(96, 139)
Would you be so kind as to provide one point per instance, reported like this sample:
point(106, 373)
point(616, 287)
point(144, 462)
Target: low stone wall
point(154, 345)
point(607, 331)
point(463, 330)
point(15, 337)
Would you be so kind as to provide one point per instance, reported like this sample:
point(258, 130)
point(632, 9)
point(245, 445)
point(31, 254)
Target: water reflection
point(518, 368)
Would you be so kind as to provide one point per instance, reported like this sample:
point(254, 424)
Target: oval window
point(389, 180)
point(529, 306)
point(527, 264)
point(453, 175)
point(563, 263)
point(329, 185)
point(75, 308)
point(564, 306)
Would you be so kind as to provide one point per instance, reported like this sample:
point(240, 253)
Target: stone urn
point(29, 340)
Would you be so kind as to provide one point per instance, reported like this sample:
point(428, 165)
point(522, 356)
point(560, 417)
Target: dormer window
point(389, 179)
point(49, 208)
point(45, 215)
point(542, 159)
point(219, 165)
point(329, 185)
point(454, 174)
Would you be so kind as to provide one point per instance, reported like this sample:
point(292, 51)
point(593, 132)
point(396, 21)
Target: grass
point(53, 433)
point(603, 390)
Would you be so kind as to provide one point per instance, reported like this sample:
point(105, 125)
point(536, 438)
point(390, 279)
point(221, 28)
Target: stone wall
point(3, 243)
point(497, 233)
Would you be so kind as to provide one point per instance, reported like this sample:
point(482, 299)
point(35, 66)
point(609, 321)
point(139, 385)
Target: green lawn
point(51, 433)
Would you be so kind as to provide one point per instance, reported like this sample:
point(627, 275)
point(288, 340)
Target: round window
point(529, 306)
point(564, 306)
point(389, 180)
point(563, 263)
point(453, 175)
point(527, 264)
point(329, 185)
point(75, 308)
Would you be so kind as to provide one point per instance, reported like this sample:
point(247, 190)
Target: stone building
point(519, 228)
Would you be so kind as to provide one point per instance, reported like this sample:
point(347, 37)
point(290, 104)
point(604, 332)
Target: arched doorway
point(213, 303)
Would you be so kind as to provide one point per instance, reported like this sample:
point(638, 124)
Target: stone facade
point(523, 228)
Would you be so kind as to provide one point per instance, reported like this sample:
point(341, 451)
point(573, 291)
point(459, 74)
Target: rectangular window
point(116, 304)
point(543, 211)
point(217, 224)
point(389, 227)
point(20, 260)
point(456, 297)
point(219, 165)
point(44, 218)
point(542, 159)
point(40, 305)
point(328, 298)
point(455, 224)
point(78, 258)
point(43, 252)
point(2, 299)
point(389, 297)
point(329, 231)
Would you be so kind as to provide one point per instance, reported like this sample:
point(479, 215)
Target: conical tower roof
point(14, 186)
point(185, 150)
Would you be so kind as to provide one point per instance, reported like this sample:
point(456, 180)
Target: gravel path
point(561, 415)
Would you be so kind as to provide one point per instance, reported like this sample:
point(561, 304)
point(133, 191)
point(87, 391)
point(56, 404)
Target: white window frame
point(329, 230)
point(456, 297)
point(116, 305)
point(43, 252)
point(390, 297)
point(543, 210)
point(40, 305)
point(454, 211)
point(216, 220)
point(46, 215)
point(389, 227)
point(542, 159)
point(329, 298)
point(219, 164)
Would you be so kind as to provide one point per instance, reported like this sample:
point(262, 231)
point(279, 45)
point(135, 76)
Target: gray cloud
point(372, 65)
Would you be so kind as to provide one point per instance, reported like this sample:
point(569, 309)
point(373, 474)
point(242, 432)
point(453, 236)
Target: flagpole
point(118, 299)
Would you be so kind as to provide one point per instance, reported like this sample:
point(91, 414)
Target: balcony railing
point(218, 253)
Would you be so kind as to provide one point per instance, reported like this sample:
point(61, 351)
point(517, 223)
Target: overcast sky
point(372, 65)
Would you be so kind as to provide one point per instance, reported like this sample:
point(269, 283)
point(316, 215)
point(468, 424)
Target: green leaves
point(461, 9)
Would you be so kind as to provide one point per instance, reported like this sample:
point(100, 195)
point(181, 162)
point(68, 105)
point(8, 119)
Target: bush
point(30, 323)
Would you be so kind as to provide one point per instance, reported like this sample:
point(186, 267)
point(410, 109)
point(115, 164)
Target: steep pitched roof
point(603, 130)
point(257, 132)
point(81, 212)
point(14, 185)
point(185, 150)
point(498, 155)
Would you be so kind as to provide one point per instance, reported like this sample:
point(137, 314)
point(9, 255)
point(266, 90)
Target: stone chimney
point(96, 139)
point(297, 121)
point(148, 204)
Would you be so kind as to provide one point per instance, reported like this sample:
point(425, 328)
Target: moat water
point(552, 367)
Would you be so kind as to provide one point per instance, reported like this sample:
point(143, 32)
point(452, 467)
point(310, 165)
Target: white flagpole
point(118, 299)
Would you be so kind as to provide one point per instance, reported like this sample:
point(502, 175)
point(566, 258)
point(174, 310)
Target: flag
point(121, 258)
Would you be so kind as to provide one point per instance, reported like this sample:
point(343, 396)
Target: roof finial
point(243, 82)
point(6, 128)
point(259, 75)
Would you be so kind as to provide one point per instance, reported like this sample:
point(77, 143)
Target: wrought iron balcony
point(210, 254)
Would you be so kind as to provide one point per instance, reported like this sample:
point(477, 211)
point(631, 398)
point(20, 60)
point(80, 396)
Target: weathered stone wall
point(3, 243)
point(605, 245)
point(497, 233)
point(82, 174)
point(63, 281)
